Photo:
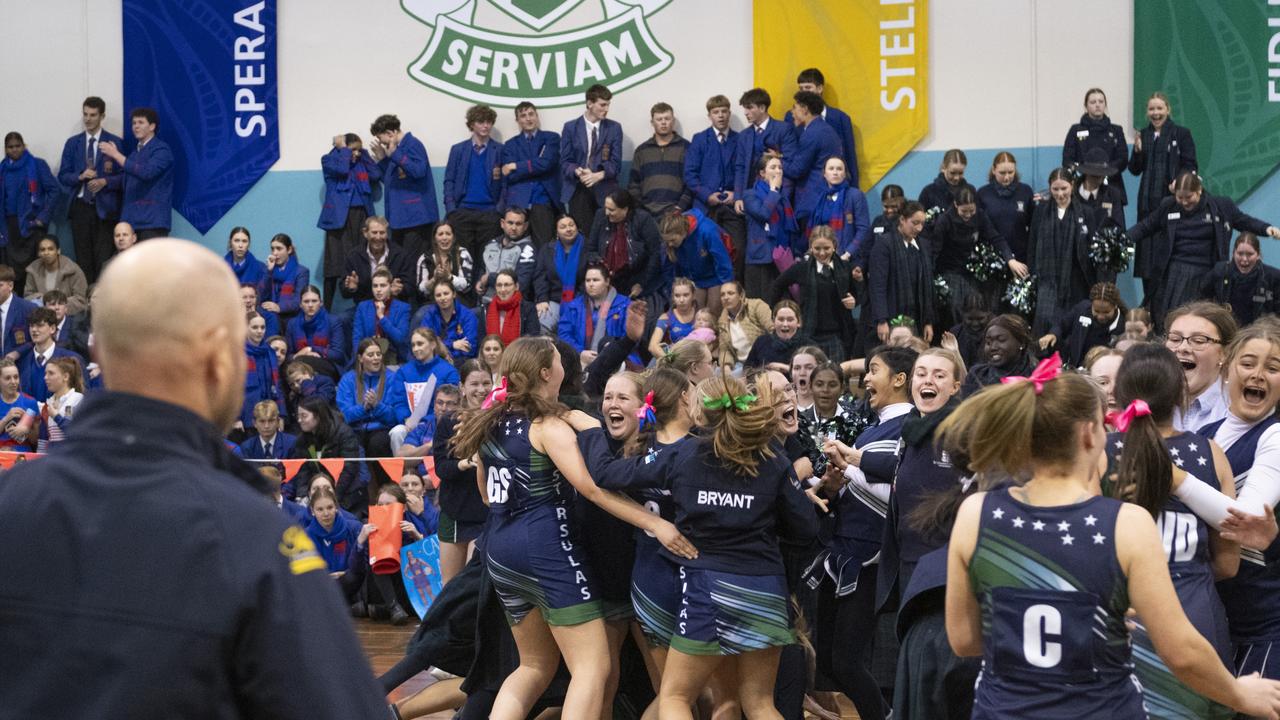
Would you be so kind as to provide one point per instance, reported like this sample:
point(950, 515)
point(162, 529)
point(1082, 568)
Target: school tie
point(266, 449)
point(759, 129)
point(720, 138)
point(88, 163)
point(40, 360)
point(594, 153)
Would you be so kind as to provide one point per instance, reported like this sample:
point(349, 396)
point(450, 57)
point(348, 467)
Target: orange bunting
point(430, 462)
point(333, 466)
point(7, 459)
point(291, 468)
point(393, 467)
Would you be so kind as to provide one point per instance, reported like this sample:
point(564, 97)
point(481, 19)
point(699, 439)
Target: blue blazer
point(39, 204)
point(32, 375)
point(395, 327)
point(410, 187)
point(463, 325)
point(777, 135)
point(455, 173)
point(338, 191)
point(573, 154)
point(702, 256)
point(147, 181)
point(572, 327)
point(280, 447)
point(537, 162)
point(840, 122)
point(708, 165)
point(817, 143)
point(760, 205)
point(107, 201)
point(16, 336)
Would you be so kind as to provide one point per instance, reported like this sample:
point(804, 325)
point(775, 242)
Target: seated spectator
point(511, 250)
point(414, 385)
point(677, 322)
point(383, 318)
point(339, 540)
point(364, 397)
point(1007, 350)
point(695, 250)
point(1138, 325)
point(742, 320)
point(296, 512)
point(559, 272)
point(774, 350)
point(249, 270)
point(358, 267)
point(1248, 285)
point(383, 586)
point(123, 236)
point(491, 349)
point(280, 347)
point(42, 324)
point(509, 315)
point(13, 313)
point(315, 334)
point(21, 412)
point(304, 382)
point(270, 442)
point(599, 313)
point(286, 278)
point(421, 513)
point(262, 374)
point(1093, 322)
point(325, 435)
point(455, 326)
point(65, 381)
point(249, 297)
point(52, 271)
point(417, 441)
point(447, 260)
point(73, 330)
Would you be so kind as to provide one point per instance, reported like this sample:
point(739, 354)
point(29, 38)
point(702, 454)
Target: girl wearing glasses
point(1198, 333)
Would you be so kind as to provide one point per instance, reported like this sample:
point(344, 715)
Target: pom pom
point(1020, 295)
point(985, 263)
point(1111, 249)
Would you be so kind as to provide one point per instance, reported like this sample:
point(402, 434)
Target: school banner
point(875, 57)
point(208, 67)
point(1219, 64)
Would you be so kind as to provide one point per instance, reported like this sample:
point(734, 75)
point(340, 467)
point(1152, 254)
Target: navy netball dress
point(531, 544)
point(1053, 600)
point(1185, 537)
point(1252, 597)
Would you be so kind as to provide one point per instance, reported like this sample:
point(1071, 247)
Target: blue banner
point(420, 569)
point(208, 67)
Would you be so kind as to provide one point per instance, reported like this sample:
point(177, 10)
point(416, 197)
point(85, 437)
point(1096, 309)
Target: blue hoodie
point(407, 382)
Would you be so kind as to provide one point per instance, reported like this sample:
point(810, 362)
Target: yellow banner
point(874, 55)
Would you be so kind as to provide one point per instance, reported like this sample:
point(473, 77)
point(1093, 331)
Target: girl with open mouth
point(1198, 334)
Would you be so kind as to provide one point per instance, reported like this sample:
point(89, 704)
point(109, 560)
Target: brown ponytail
point(522, 365)
point(1150, 373)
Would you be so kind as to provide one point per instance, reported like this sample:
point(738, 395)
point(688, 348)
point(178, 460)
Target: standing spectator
point(625, 239)
point(358, 267)
point(1248, 285)
point(1185, 237)
point(511, 250)
point(590, 157)
point(285, 279)
point(52, 271)
point(771, 227)
point(1008, 202)
point(1162, 151)
point(410, 187)
point(384, 319)
point(942, 191)
point(812, 80)
point(1059, 251)
point(454, 325)
point(473, 181)
point(742, 320)
point(1094, 190)
point(826, 295)
point(530, 168)
point(657, 166)
point(695, 249)
point(350, 181)
point(559, 272)
point(147, 180)
point(84, 170)
point(1095, 131)
point(816, 142)
point(29, 192)
point(902, 280)
point(314, 333)
point(446, 260)
point(708, 173)
point(763, 134)
point(843, 208)
point(955, 235)
point(249, 270)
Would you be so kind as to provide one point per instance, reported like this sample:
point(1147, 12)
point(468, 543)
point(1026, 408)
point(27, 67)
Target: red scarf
point(616, 254)
point(503, 318)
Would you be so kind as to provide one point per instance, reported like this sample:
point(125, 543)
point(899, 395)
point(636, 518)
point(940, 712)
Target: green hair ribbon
point(741, 403)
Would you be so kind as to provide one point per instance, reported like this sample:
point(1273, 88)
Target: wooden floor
point(384, 643)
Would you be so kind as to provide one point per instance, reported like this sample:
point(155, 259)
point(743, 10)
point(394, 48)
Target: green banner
point(1218, 61)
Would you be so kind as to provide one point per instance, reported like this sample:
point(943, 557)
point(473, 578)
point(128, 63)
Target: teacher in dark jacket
point(1244, 282)
point(1186, 236)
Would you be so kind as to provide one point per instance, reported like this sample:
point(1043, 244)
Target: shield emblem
point(537, 14)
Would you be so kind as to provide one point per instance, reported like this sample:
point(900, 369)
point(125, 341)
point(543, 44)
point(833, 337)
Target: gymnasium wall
point(1003, 76)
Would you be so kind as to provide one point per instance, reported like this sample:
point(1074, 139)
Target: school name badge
point(502, 52)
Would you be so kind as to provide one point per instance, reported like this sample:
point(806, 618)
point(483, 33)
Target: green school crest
point(501, 52)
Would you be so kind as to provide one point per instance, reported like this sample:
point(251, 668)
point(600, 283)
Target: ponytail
point(741, 426)
point(522, 364)
point(1145, 466)
point(1149, 374)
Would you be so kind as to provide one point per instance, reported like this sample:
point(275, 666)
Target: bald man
point(143, 576)
point(123, 236)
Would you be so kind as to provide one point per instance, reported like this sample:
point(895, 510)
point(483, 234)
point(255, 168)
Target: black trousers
point(736, 226)
point(542, 225)
point(19, 253)
point(473, 228)
point(583, 207)
point(92, 237)
point(846, 627)
point(413, 240)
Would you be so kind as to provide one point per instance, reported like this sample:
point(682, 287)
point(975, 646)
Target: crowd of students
point(721, 416)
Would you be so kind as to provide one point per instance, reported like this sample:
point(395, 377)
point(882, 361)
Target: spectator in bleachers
point(418, 441)
point(826, 295)
point(339, 540)
point(512, 250)
point(559, 271)
point(123, 237)
point(762, 134)
point(599, 313)
point(83, 172)
point(304, 382)
point(365, 399)
point(410, 187)
point(314, 333)
point(350, 181)
point(941, 193)
point(375, 252)
point(509, 315)
point(147, 181)
point(708, 173)
point(1009, 203)
point(473, 180)
point(815, 142)
point(13, 316)
point(249, 270)
point(285, 279)
point(625, 239)
point(843, 208)
point(657, 166)
point(531, 170)
point(73, 330)
point(249, 297)
point(384, 318)
point(772, 231)
point(1096, 132)
point(413, 386)
point(490, 357)
point(269, 442)
point(590, 157)
point(677, 322)
point(326, 435)
point(28, 194)
point(21, 412)
point(448, 260)
point(262, 373)
point(53, 271)
point(1248, 285)
point(742, 320)
point(64, 381)
point(694, 248)
point(42, 323)
point(457, 327)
